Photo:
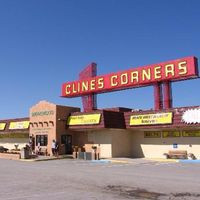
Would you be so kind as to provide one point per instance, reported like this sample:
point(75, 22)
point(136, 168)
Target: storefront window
point(42, 139)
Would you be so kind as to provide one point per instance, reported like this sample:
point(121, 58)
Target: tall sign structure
point(89, 101)
point(159, 75)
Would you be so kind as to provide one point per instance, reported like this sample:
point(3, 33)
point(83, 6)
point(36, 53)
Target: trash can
point(81, 155)
point(88, 156)
point(24, 153)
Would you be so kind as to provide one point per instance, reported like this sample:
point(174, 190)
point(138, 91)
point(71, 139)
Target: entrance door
point(67, 141)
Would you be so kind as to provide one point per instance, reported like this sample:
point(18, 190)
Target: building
point(133, 133)
point(47, 124)
point(118, 132)
point(110, 129)
point(14, 132)
point(153, 133)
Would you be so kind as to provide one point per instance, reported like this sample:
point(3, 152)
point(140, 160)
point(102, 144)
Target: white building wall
point(112, 142)
point(156, 147)
point(9, 143)
point(104, 140)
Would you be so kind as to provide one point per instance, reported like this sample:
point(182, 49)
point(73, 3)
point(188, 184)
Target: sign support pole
point(167, 94)
point(89, 101)
point(158, 100)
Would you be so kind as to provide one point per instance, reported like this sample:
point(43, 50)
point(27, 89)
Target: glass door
point(67, 141)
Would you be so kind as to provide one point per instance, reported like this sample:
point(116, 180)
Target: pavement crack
point(130, 192)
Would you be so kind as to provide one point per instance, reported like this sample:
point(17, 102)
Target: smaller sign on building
point(167, 134)
point(152, 134)
point(14, 135)
point(175, 145)
point(42, 113)
point(19, 125)
point(2, 126)
point(191, 116)
point(193, 133)
point(84, 119)
point(151, 119)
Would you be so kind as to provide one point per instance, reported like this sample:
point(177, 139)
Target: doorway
point(67, 141)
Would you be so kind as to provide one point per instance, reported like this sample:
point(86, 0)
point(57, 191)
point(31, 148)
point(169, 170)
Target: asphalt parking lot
point(75, 179)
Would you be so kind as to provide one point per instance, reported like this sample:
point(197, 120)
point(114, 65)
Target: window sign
point(193, 133)
point(167, 134)
point(152, 134)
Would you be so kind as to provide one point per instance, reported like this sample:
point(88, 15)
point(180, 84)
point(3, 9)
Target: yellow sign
point(195, 133)
point(19, 125)
point(2, 126)
point(84, 119)
point(155, 134)
point(150, 119)
point(167, 134)
point(14, 135)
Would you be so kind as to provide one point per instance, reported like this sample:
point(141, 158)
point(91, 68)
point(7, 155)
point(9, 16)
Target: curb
point(162, 160)
point(110, 161)
point(189, 161)
point(100, 161)
point(174, 160)
point(119, 161)
point(45, 159)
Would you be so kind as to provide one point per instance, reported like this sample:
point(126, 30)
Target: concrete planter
point(10, 156)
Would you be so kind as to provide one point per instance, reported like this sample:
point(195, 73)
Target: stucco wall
point(112, 142)
point(156, 147)
point(104, 140)
point(121, 143)
point(62, 113)
point(80, 138)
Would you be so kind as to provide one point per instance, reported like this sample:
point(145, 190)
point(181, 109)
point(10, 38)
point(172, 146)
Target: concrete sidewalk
point(113, 160)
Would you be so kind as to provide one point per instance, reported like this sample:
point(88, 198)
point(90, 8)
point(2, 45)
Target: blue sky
point(44, 43)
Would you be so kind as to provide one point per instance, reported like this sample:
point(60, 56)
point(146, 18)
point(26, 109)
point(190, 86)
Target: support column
point(167, 94)
point(158, 100)
point(89, 101)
